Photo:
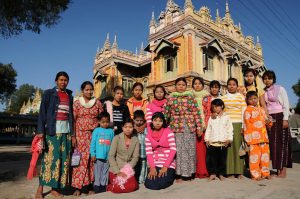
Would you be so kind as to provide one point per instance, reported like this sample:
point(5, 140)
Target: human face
point(104, 122)
point(198, 86)
point(159, 93)
point(232, 87)
point(88, 91)
point(217, 109)
point(249, 78)
point(118, 95)
point(157, 123)
point(127, 128)
point(214, 91)
point(253, 100)
point(180, 86)
point(268, 81)
point(137, 92)
point(139, 121)
point(62, 83)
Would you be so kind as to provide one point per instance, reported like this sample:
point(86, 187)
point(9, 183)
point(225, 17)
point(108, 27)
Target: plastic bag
point(76, 156)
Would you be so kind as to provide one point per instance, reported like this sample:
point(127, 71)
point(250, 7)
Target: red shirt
point(63, 107)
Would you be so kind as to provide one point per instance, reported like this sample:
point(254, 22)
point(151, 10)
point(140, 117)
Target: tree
point(7, 81)
point(296, 89)
point(21, 95)
point(19, 15)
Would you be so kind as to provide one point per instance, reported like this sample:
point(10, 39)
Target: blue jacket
point(48, 111)
point(101, 141)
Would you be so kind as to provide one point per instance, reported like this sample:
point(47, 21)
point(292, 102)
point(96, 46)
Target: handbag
point(76, 156)
point(244, 148)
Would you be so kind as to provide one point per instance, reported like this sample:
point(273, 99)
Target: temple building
point(31, 107)
point(182, 43)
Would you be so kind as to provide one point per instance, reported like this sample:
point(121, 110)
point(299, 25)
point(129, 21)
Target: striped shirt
point(162, 152)
point(141, 137)
point(63, 107)
point(235, 106)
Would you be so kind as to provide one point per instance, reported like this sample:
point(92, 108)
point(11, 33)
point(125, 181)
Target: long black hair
point(253, 71)
point(161, 116)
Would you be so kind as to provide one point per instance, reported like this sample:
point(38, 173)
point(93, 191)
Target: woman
point(160, 151)
point(55, 127)
point(86, 110)
point(280, 138)
point(185, 120)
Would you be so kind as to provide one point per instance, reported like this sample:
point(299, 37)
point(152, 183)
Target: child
point(141, 130)
point(280, 137)
point(235, 106)
point(251, 85)
point(157, 104)
point(218, 135)
point(117, 109)
point(100, 145)
point(199, 93)
point(137, 102)
point(255, 134)
point(185, 121)
point(161, 151)
point(123, 157)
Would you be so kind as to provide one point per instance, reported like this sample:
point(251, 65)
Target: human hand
point(226, 143)
point(152, 173)
point(93, 158)
point(199, 133)
point(285, 124)
point(74, 142)
point(121, 174)
point(242, 131)
point(207, 144)
point(162, 172)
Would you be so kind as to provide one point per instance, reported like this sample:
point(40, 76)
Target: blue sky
point(71, 45)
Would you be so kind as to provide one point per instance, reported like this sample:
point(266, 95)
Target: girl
point(141, 131)
point(256, 136)
point(185, 120)
point(214, 90)
point(157, 103)
point(86, 110)
point(250, 83)
point(137, 102)
point(218, 136)
point(199, 94)
point(117, 109)
point(160, 150)
point(123, 157)
point(100, 145)
point(234, 106)
point(55, 126)
point(280, 138)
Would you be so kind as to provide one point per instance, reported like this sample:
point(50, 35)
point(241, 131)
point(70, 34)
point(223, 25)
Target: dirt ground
point(14, 162)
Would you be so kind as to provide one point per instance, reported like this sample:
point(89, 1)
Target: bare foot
point(91, 193)
point(268, 177)
point(77, 193)
point(230, 176)
point(56, 194)
point(211, 177)
point(179, 180)
point(222, 178)
point(39, 193)
point(240, 177)
point(282, 173)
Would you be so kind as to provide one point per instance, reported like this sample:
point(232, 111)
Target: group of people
point(178, 136)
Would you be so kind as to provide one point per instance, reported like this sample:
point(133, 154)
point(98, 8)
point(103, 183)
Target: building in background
point(182, 43)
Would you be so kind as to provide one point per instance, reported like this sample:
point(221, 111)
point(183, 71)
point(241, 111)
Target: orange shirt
point(255, 131)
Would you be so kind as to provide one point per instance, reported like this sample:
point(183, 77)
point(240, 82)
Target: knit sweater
point(162, 152)
point(153, 107)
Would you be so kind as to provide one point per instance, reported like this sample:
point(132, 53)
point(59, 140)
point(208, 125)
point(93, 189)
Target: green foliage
point(7, 81)
point(20, 96)
point(296, 89)
point(19, 15)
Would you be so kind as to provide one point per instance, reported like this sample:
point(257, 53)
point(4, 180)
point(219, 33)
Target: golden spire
point(188, 4)
point(115, 45)
point(107, 43)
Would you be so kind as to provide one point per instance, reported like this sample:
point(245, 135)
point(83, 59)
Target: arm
point(172, 144)
point(247, 123)
point(197, 114)
point(285, 103)
point(112, 156)
point(244, 106)
point(149, 152)
point(93, 144)
point(167, 111)
point(43, 114)
point(263, 104)
point(208, 131)
point(135, 155)
point(229, 130)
